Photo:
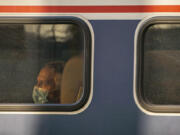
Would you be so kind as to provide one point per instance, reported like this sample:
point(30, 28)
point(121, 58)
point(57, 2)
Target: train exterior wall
point(112, 110)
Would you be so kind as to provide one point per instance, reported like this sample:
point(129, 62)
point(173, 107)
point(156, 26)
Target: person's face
point(46, 79)
point(63, 32)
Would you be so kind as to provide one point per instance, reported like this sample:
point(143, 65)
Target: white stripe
point(90, 2)
point(125, 16)
point(96, 16)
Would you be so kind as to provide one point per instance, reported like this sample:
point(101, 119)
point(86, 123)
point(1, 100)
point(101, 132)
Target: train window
point(44, 63)
point(158, 66)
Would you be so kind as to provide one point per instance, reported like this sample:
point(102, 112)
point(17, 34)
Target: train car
point(89, 67)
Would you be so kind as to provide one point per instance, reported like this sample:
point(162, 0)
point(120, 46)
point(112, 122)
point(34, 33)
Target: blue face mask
point(39, 96)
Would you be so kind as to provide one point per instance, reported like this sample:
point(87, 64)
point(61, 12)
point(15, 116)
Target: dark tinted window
point(44, 62)
point(158, 85)
point(161, 78)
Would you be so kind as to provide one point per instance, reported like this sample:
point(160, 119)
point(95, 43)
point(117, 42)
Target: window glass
point(43, 63)
point(160, 73)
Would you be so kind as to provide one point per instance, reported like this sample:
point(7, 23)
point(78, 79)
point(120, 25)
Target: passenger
point(72, 84)
point(47, 89)
point(67, 47)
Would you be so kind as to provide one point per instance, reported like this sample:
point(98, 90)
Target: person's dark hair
point(57, 66)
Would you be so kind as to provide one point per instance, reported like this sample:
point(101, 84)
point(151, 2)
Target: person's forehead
point(46, 73)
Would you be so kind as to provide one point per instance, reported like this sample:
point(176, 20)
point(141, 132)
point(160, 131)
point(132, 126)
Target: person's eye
point(47, 82)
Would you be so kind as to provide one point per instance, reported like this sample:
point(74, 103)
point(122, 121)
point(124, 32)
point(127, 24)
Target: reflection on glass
point(161, 74)
point(41, 63)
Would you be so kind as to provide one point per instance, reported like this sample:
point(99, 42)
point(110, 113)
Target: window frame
point(87, 73)
point(148, 108)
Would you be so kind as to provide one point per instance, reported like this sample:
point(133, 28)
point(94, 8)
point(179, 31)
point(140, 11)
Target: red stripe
point(91, 9)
